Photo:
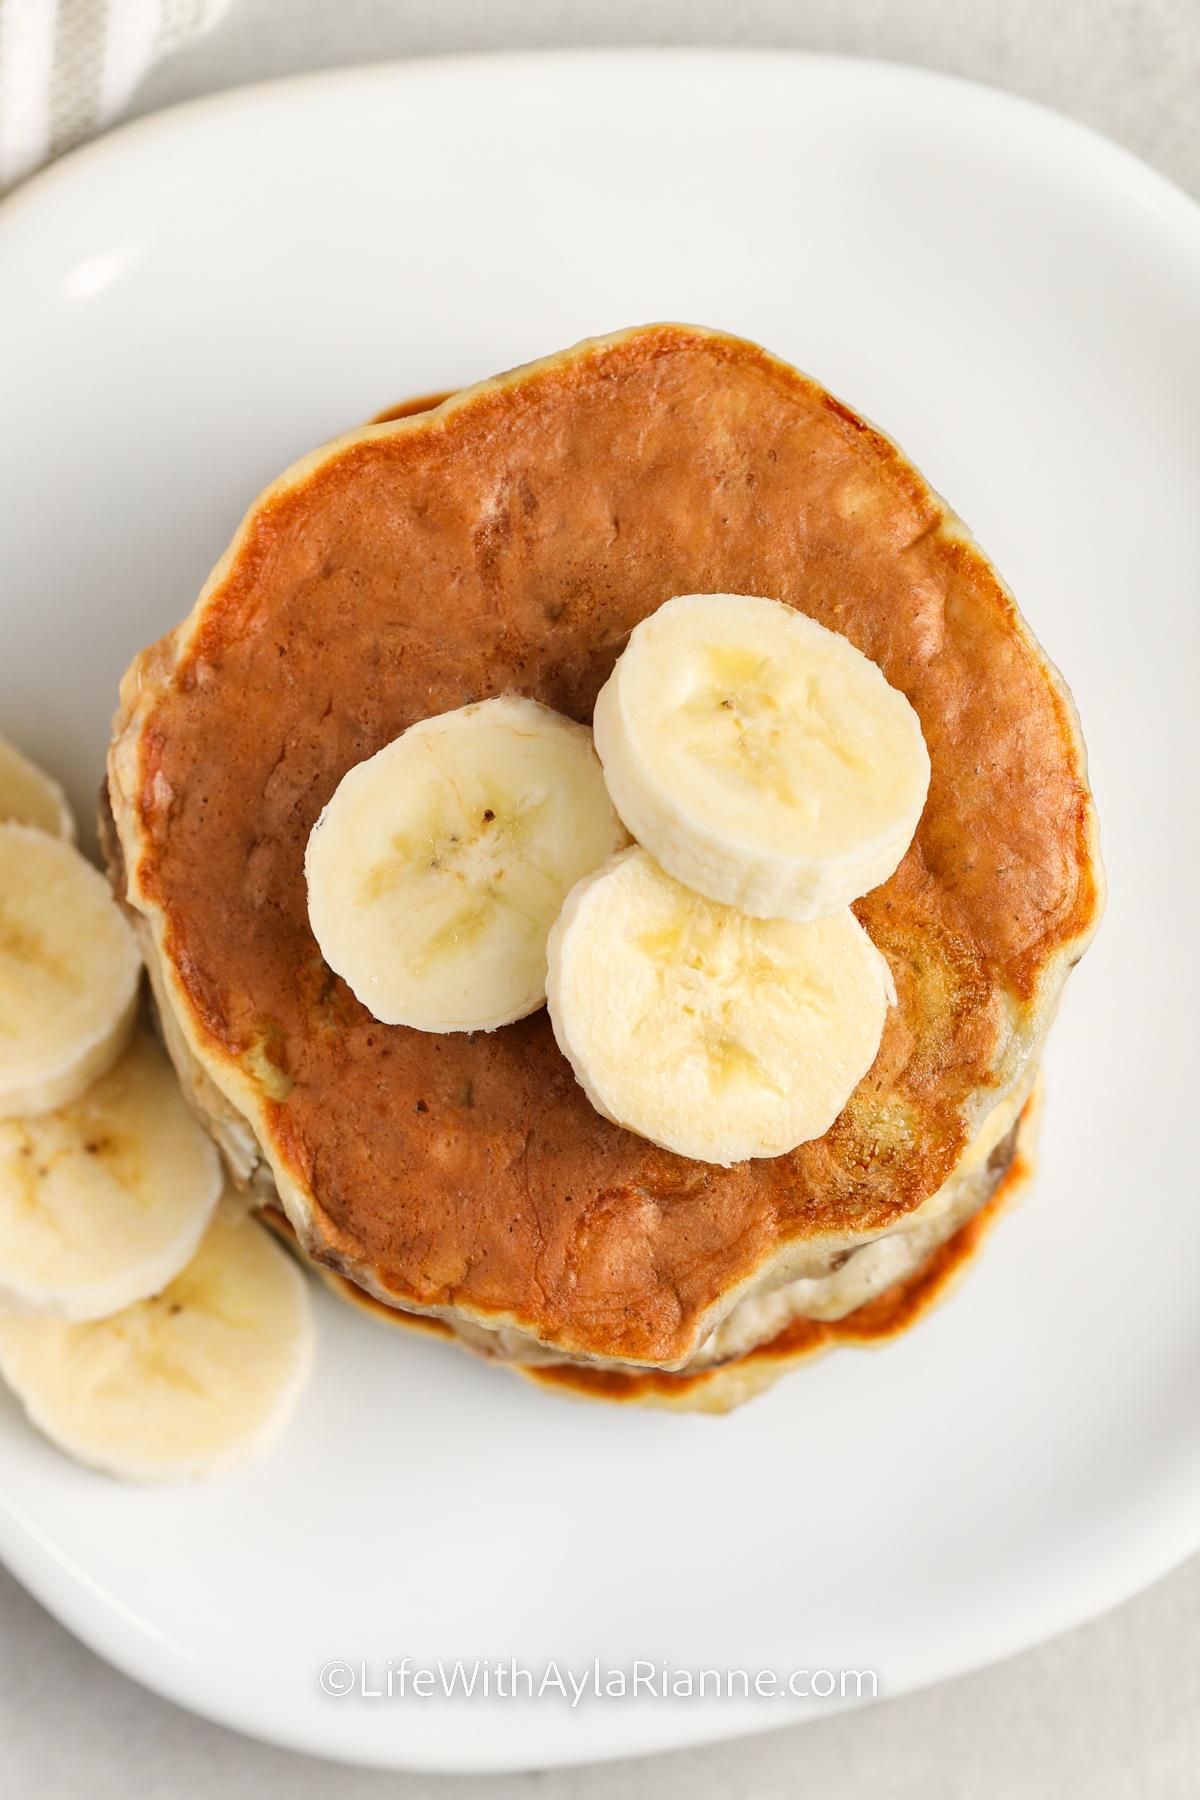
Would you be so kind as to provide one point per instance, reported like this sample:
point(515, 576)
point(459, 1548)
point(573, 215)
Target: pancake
point(997, 1187)
point(507, 541)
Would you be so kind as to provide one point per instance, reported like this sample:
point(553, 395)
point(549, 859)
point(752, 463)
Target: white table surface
point(1109, 1712)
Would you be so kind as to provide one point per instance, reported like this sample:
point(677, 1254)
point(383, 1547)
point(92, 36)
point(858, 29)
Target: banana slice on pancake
point(188, 1383)
point(69, 971)
point(104, 1201)
point(437, 869)
point(28, 796)
point(713, 1034)
point(761, 759)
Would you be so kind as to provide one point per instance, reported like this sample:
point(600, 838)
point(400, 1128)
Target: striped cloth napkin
point(68, 67)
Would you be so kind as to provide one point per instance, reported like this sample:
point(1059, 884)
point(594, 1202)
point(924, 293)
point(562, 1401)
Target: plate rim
point(248, 95)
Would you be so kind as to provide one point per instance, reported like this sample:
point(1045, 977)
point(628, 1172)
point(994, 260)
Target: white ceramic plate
point(194, 302)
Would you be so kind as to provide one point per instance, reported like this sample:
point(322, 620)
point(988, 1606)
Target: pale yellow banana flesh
point(28, 796)
point(186, 1384)
point(69, 971)
point(711, 1033)
point(104, 1201)
point(437, 869)
point(764, 761)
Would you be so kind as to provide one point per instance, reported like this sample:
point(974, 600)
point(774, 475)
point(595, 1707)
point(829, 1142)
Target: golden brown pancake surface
point(722, 1386)
point(507, 542)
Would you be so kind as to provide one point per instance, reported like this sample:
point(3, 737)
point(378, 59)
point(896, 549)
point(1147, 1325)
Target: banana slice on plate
point(440, 864)
point(761, 759)
point(711, 1033)
point(69, 972)
point(200, 1377)
point(104, 1200)
point(28, 796)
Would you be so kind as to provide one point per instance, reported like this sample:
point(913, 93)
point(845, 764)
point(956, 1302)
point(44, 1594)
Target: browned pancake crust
point(720, 1388)
point(890, 1314)
point(347, 1290)
point(507, 543)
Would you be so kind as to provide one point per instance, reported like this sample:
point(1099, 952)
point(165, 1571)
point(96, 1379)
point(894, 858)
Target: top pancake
point(507, 542)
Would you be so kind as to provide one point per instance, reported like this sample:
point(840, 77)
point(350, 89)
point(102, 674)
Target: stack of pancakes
point(506, 541)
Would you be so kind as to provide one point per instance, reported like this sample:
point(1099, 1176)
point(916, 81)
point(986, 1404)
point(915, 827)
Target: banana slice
point(440, 864)
point(28, 796)
point(200, 1377)
point(709, 1032)
point(105, 1200)
point(763, 760)
point(69, 972)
